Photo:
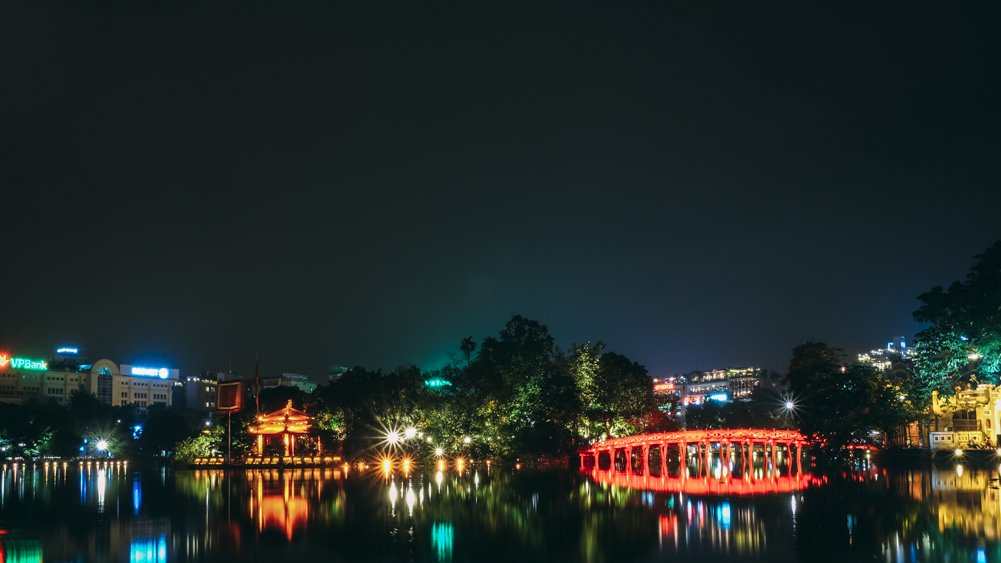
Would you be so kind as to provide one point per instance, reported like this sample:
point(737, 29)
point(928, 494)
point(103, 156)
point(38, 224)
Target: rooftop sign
point(25, 364)
point(162, 373)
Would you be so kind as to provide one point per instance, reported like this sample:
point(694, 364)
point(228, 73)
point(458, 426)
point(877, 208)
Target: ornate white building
point(968, 419)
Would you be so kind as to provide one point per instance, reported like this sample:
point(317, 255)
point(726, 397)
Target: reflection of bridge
point(726, 486)
point(735, 451)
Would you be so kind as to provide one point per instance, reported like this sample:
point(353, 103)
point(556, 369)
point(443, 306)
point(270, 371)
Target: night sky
point(699, 187)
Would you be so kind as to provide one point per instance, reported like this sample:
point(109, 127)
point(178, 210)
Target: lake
point(122, 512)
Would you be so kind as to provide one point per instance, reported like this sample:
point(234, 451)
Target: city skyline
point(697, 187)
point(68, 357)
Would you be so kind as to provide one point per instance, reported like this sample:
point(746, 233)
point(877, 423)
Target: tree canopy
point(963, 332)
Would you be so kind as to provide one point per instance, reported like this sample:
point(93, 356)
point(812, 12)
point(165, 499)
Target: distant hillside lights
point(884, 359)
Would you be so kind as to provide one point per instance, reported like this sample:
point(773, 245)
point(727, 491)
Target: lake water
point(119, 512)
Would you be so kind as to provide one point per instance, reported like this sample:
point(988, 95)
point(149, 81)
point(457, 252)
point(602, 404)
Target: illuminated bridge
point(732, 461)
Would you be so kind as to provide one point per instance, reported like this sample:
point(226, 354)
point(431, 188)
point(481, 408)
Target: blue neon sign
point(162, 373)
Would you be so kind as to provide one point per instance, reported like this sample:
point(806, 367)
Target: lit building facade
point(297, 380)
point(200, 392)
point(668, 391)
point(968, 419)
point(731, 384)
point(24, 378)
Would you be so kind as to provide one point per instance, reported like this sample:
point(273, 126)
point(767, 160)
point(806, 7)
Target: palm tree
point(467, 346)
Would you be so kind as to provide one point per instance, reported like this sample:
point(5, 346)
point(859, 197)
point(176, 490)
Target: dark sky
point(699, 187)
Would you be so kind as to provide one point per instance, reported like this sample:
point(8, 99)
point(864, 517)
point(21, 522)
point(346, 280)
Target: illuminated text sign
point(162, 373)
point(28, 364)
point(68, 350)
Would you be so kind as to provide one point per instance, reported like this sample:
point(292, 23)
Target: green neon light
point(28, 364)
point(437, 383)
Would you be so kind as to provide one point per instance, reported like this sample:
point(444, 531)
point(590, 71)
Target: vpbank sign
point(22, 363)
point(150, 372)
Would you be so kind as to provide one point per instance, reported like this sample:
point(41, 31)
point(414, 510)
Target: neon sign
point(28, 364)
point(68, 350)
point(162, 373)
point(4, 360)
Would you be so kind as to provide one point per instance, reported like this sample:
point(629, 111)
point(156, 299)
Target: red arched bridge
point(747, 453)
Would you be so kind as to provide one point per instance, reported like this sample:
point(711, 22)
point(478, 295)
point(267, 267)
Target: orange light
point(441, 465)
point(406, 465)
point(387, 466)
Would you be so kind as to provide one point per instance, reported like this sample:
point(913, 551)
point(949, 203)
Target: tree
point(841, 404)
point(526, 396)
point(468, 345)
point(207, 443)
point(963, 335)
point(162, 430)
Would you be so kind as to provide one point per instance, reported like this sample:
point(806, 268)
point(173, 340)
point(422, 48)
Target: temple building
point(284, 427)
point(968, 419)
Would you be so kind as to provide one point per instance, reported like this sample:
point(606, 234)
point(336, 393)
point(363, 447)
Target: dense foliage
point(840, 403)
point(963, 332)
point(519, 397)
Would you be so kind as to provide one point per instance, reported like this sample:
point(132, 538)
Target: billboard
point(229, 396)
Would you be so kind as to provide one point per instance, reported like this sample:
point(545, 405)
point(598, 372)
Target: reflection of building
point(284, 426)
point(22, 379)
point(281, 500)
point(967, 502)
point(968, 419)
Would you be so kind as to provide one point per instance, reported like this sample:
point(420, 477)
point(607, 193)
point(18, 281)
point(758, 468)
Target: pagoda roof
point(286, 419)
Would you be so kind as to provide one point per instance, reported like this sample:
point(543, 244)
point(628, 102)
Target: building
point(287, 379)
point(894, 357)
point(968, 419)
point(731, 384)
point(199, 391)
point(24, 378)
point(668, 391)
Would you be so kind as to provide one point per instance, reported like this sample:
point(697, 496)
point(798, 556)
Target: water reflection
point(109, 512)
